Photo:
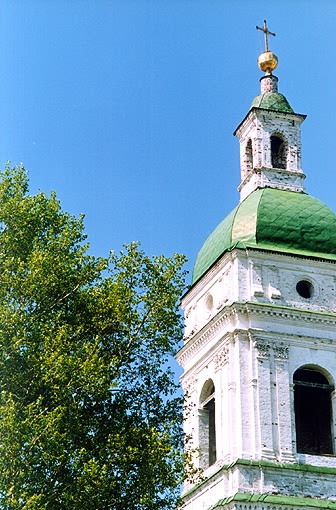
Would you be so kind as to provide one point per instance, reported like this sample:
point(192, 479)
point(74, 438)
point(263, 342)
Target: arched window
point(248, 157)
point(207, 425)
point(278, 152)
point(313, 412)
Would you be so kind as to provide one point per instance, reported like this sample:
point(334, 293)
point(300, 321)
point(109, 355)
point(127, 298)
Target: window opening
point(313, 412)
point(304, 289)
point(248, 157)
point(278, 152)
point(207, 425)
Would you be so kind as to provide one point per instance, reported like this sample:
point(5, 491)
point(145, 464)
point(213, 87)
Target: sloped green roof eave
point(212, 249)
point(274, 220)
point(237, 228)
point(276, 499)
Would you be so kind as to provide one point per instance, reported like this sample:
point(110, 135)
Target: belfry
point(259, 355)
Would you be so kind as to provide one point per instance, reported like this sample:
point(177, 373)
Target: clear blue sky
point(127, 107)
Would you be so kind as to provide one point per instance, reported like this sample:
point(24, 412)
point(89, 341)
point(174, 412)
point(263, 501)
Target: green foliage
point(89, 415)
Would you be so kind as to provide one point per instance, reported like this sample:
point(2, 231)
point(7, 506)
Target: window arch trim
point(313, 410)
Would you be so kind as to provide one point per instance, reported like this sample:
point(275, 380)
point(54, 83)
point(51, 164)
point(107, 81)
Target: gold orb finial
point(267, 61)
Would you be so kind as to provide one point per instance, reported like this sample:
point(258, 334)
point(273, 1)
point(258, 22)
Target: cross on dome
point(266, 33)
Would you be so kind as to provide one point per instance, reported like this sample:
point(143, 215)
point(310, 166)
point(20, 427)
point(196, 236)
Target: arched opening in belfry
point(313, 412)
point(207, 425)
point(278, 152)
point(248, 157)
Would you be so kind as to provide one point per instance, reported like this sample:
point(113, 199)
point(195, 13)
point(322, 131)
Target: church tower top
point(270, 135)
point(267, 61)
point(274, 212)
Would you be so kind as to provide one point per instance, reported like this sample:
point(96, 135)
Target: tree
point(89, 413)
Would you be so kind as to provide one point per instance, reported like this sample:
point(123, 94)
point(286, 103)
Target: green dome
point(272, 101)
point(272, 219)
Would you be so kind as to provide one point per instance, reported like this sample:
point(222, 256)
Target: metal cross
point(266, 33)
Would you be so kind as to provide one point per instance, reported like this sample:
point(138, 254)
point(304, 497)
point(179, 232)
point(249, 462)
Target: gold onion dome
point(267, 62)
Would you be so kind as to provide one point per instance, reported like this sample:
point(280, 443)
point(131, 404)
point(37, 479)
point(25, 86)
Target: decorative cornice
point(277, 174)
point(299, 469)
point(291, 313)
point(255, 112)
point(206, 334)
point(231, 313)
point(284, 252)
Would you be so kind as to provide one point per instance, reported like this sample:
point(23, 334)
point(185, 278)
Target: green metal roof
point(272, 101)
point(275, 220)
point(275, 500)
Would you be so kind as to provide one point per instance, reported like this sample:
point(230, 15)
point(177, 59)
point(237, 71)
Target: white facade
point(252, 322)
point(248, 330)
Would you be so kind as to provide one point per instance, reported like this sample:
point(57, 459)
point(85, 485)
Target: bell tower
point(270, 142)
point(259, 355)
